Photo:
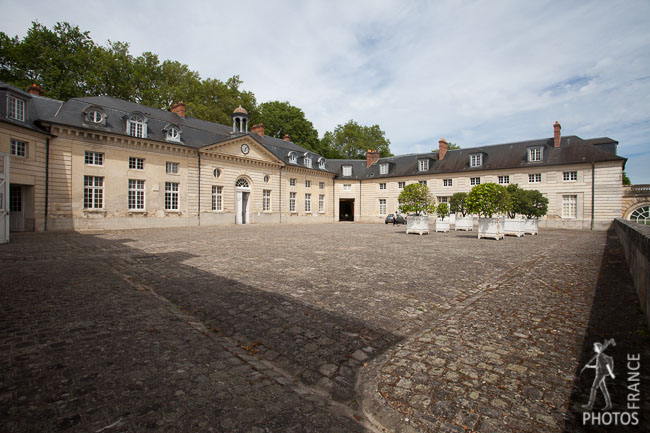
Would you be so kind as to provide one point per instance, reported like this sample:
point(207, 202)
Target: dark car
point(390, 217)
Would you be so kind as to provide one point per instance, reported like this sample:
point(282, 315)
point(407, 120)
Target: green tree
point(536, 204)
point(626, 180)
point(442, 210)
point(488, 199)
point(518, 200)
point(457, 203)
point(415, 198)
point(353, 140)
point(280, 118)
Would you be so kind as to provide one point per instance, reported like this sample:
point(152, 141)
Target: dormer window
point(94, 116)
point(307, 161)
point(15, 108)
point(136, 126)
point(293, 158)
point(321, 163)
point(383, 168)
point(535, 154)
point(347, 170)
point(475, 159)
point(173, 133)
point(423, 164)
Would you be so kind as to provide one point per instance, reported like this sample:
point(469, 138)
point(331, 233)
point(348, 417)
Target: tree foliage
point(280, 118)
point(415, 198)
point(518, 200)
point(457, 203)
point(488, 199)
point(536, 204)
point(626, 180)
point(353, 140)
point(450, 146)
point(442, 210)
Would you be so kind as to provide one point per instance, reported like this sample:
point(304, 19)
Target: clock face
point(244, 148)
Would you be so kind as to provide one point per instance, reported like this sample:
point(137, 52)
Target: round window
point(266, 179)
point(95, 116)
point(216, 172)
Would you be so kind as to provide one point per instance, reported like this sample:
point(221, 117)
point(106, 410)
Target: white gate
point(4, 198)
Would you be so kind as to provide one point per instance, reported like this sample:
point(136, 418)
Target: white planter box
point(464, 223)
point(442, 225)
point(514, 227)
point(417, 224)
point(490, 228)
point(452, 218)
point(531, 226)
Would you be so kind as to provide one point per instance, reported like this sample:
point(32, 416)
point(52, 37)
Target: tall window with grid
point(266, 200)
point(136, 194)
point(93, 192)
point(292, 202)
point(217, 199)
point(15, 108)
point(307, 202)
point(321, 203)
point(171, 196)
point(382, 206)
point(569, 206)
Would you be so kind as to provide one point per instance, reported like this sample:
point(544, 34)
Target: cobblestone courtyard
point(320, 328)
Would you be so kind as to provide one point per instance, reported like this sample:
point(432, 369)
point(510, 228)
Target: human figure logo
point(604, 366)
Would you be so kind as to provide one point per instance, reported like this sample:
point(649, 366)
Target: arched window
point(242, 183)
point(321, 163)
point(307, 161)
point(136, 126)
point(641, 215)
point(173, 134)
point(293, 158)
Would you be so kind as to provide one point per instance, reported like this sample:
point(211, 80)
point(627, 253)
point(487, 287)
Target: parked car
point(390, 217)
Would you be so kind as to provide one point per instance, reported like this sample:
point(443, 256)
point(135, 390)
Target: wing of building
point(102, 163)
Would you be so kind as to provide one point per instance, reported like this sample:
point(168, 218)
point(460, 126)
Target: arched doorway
point(242, 201)
point(641, 214)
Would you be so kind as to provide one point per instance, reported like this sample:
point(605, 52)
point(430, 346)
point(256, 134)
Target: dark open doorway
point(346, 209)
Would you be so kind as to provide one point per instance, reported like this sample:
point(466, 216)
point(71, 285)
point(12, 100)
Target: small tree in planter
point(442, 224)
point(458, 206)
point(518, 206)
point(487, 200)
point(536, 207)
point(415, 199)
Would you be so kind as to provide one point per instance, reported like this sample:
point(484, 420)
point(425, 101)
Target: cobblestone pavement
point(345, 327)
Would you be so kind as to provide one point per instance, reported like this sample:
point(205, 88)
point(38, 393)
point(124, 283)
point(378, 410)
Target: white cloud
point(473, 72)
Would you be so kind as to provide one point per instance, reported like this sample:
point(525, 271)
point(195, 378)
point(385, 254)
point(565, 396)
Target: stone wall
point(635, 239)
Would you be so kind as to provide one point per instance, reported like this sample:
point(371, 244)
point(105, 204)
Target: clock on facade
point(244, 148)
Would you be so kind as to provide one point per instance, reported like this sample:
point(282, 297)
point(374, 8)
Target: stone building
point(101, 163)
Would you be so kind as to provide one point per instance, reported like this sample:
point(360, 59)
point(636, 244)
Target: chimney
point(258, 129)
point(372, 156)
point(442, 149)
point(556, 134)
point(34, 89)
point(179, 108)
point(286, 137)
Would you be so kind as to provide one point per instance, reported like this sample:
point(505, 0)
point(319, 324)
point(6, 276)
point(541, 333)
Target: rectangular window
point(94, 158)
point(535, 178)
point(136, 194)
point(171, 167)
point(474, 180)
point(308, 184)
point(217, 198)
point(136, 163)
point(266, 200)
point(383, 168)
point(321, 185)
point(321, 203)
point(292, 202)
point(476, 160)
point(443, 199)
point(93, 192)
point(382, 206)
point(447, 182)
point(307, 202)
point(171, 196)
point(401, 185)
point(347, 187)
point(422, 182)
point(570, 176)
point(423, 164)
point(504, 180)
point(15, 108)
point(292, 181)
point(18, 148)
point(382, 186)
point(347, 170)
point(569, 206)
point(534, 154)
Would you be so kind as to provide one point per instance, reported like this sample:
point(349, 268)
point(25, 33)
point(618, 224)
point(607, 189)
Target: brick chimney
point(258, 129)
point(286, 137)
point(179, 108)
point(34, 89)
point(442, 148)
point(372, 156)
point(556, 134)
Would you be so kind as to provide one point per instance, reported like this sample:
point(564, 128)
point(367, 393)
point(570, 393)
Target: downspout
point(47, 179)
point(199, 210)
point(593, 192)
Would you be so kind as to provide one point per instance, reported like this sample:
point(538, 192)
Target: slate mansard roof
point(196, 133)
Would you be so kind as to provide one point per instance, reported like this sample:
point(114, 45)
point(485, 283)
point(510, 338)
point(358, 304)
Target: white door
point(16, 209)
point(238, 213)
point(4, 198)
point(242, 202)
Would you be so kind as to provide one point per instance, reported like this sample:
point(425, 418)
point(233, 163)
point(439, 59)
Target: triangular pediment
point(237, 146)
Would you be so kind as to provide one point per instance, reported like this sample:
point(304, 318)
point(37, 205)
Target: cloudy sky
point(473, 72)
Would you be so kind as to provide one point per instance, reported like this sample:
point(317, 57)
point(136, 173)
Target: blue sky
point(475, 72)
